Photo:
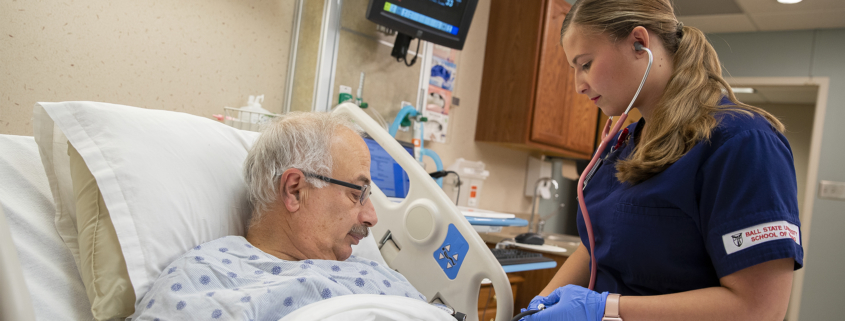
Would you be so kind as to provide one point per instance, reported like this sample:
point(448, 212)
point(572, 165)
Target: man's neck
point(273, 237)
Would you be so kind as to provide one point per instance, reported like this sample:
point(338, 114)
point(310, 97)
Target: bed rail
point(428, 240)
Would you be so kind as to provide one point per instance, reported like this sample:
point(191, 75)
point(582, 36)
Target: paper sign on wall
point(439, 96)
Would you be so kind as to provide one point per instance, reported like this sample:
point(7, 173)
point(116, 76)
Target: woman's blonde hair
point(684, 115)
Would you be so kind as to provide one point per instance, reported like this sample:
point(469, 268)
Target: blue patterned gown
point(229, 279)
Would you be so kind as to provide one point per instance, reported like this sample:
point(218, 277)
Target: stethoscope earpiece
point(638, 46)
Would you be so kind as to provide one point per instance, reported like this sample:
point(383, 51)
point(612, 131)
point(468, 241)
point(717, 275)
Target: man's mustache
point(360, 230)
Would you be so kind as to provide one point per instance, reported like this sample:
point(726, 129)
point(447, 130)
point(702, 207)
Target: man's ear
point(291, 188)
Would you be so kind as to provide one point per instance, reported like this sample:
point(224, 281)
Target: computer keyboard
point(516, 256)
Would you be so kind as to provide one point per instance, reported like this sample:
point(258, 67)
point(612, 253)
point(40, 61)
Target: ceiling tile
point(720, 23)
point(709, 7)
point(833, 18)
point(770, 6)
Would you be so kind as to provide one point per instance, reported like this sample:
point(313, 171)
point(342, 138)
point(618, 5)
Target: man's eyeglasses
point(365, 189)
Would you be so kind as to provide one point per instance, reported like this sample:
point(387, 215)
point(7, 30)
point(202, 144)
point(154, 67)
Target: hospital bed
point(424, 237)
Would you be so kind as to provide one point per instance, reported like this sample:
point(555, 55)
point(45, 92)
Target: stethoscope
point(588, 173)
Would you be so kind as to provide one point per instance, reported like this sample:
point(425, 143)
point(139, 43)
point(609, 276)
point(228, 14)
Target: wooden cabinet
point(528, 98)
point(487, 298)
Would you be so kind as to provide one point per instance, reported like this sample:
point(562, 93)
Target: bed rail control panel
point(451, 254)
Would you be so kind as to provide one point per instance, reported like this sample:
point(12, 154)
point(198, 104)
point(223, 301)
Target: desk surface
point(529, 266)
point(570, 244)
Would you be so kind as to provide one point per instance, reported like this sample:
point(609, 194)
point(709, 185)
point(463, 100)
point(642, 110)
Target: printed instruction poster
point(441, 84)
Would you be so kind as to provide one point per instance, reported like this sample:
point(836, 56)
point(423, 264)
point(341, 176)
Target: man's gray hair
point(300, 140)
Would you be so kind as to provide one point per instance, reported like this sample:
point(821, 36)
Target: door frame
point(812, 165)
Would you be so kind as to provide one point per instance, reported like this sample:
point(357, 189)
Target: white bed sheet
point(370, 307)
point(49, 270)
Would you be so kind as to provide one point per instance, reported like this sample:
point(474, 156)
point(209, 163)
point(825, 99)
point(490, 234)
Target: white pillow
point(52, 146)
point(48, 268)
point(170, 180)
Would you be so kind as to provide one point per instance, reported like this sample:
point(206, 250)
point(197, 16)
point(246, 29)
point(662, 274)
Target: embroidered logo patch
point(761, 233)
point(737, 239)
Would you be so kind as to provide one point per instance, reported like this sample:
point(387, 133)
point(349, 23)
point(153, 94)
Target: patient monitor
point(385, 172)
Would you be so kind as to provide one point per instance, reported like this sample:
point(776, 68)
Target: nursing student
point(694, 208)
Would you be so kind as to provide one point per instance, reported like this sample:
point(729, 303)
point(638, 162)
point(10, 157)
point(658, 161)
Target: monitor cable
point(400, 49)
point(439, 174)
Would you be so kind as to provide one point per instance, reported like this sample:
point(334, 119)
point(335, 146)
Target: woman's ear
point(638, 35)
point(291, 188)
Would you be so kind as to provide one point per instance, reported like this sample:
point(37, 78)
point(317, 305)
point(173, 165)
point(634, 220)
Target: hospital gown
point(229, 279)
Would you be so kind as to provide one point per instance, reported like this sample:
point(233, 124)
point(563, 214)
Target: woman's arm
point(575, 270)
point(759, 292)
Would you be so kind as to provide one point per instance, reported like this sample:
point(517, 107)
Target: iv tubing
point(405, 111)
point(437, 162)
point(410, 111)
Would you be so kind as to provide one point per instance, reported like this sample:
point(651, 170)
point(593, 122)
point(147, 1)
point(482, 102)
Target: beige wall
point(192, 56)
point(387, 82)
point(798, 120)
point(302, 97)
point(198, 56)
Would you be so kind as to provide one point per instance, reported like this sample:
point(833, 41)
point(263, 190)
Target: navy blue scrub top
point(726, 205)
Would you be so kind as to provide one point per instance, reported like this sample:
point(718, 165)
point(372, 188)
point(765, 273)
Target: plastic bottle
point(252, 113)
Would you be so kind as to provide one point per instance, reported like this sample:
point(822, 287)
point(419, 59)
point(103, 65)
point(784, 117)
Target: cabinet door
point(514, 35)
point(562, 118)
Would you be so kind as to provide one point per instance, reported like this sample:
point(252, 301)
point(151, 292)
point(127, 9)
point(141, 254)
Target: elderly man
point(308, 176)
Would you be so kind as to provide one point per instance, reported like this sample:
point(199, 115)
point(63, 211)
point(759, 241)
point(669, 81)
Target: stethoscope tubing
point(607, 136)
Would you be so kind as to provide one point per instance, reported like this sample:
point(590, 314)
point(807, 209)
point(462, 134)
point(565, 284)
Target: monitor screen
point(444, 22)
point(386, 172)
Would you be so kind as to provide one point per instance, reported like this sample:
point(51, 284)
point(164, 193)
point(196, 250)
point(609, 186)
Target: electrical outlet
point(832, 190)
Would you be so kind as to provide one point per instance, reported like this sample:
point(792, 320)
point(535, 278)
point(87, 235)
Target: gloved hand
point(536, 301)
point(576, 304)
point(533, 304)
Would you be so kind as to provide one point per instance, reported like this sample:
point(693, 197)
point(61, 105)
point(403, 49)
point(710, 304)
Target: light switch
point(832, 190)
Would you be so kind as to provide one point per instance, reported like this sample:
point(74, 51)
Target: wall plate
point(832, 190)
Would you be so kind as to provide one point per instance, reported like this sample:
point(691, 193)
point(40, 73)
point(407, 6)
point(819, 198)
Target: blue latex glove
point(536, 301)
point(533, 304)
point(571, 303)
